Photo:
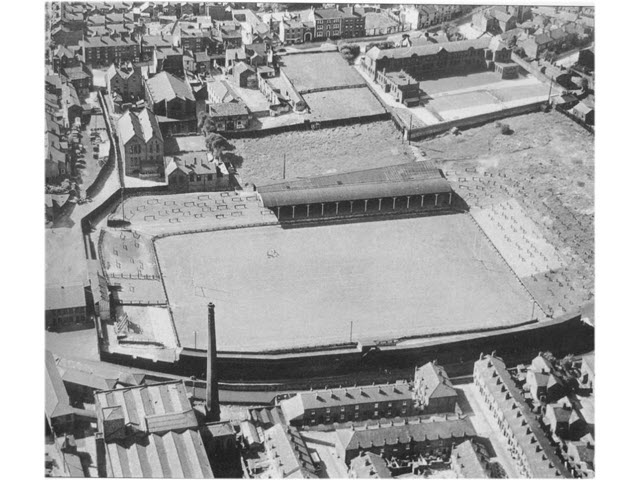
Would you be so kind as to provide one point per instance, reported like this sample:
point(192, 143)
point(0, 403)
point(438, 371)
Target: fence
point(579, 121)
point(422, 132)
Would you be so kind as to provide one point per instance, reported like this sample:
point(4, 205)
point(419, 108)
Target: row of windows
point(357, 407)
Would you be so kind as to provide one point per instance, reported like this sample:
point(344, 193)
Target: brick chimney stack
point(212, 401)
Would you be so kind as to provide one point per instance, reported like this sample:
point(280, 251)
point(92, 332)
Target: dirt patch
point(317, 152)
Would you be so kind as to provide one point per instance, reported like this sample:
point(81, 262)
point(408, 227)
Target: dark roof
point(431, 429)
point(221, 110)
point(417, 178)
point(430, 49)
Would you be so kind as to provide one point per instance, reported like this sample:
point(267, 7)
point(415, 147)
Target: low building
point(433, 391)
point(584, 112)
point(150, 431)
point(402, 86)
point(196, 172)
point(545, 387)
point(411, 437)
point(470, 460)
point(141, 144)
point(369, 465)
point(80, 77)
point(66, 308)
point(533, 454)
point(348, 404)
point(229, 116)
point(534, 47)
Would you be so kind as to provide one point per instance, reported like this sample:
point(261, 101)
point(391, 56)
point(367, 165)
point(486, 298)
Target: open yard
point(315, 152)
point(277, 288)
point(532, 192)
point(309, 71)
point(341, 104)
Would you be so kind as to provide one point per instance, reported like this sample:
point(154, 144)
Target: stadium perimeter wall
point(563, 336)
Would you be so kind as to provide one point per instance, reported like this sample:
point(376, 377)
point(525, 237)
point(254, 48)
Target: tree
point(350, 52)
point(217, 144)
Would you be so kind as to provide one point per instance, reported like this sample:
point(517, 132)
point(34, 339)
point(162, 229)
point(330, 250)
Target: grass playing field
point(280, 288)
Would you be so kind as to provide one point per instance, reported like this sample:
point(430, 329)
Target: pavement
point(486, 426)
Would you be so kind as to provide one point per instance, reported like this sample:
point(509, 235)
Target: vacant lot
point(340, 104)
point(276, 288)
point(457, 82)
point(316, 152)
point(319, 70)
point(547, 166)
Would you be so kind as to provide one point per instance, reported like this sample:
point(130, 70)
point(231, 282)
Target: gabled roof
point(369, 465)
point(431, 429)
point(293, 457)
point(165, 86)
point(143, 125)
point(502, 16)
point(229, 109)
point(295, 406)
point(58, 297)
point(56, 397)
point(434, 380)
point(431, 49)
point(468, 460)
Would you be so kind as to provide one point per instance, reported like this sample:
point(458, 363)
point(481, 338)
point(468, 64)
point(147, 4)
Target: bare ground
point(317, 152)
point(547, 165)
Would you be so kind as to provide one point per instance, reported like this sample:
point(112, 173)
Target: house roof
point(542, 39)
point(583, 109)
point(143, 125)
point(242, 67)
point(235, 54)
point(329, 13)
point(88, 379)
point(56, 397)
point(468, 460)
point(267, 417)
point(429, 49)
point(108, 41)
point(197, 163)
point(588, 362)
point(536, 448)
point(502, 16)
point(407, 179)
point(221, 90)
point(76, 73)
point(369, 465)
point(434, 380)
point(293, 457)
point(229, 109)
point(162, 439)
point(426, 430)
point(295, 406)
point(165, 86)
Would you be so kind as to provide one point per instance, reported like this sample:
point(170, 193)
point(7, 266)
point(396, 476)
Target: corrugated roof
point(428, 430)
point(407, 179)
point(165, 86)
point(537, 450)
point(145, 452)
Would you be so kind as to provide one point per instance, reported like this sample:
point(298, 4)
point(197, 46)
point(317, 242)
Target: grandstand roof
point(417, 178)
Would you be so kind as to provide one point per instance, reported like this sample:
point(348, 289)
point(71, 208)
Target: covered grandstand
point(409, 186)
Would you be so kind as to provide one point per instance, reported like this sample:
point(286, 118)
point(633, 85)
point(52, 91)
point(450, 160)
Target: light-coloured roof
point(434, 380)
point(369, 465)
point(58, 297)
point(537, 450)
point(407, 179)
point(166, 443)
point(56, 397)
point(468, 461)
point(143, 125)
point(165, 86)
point(293, 457)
